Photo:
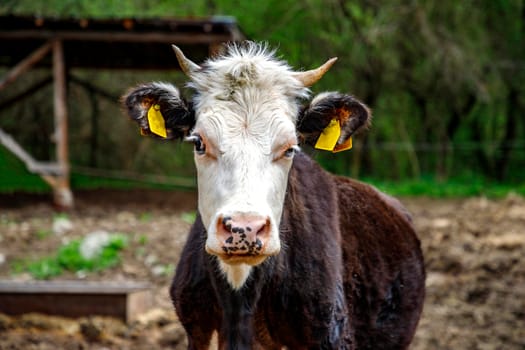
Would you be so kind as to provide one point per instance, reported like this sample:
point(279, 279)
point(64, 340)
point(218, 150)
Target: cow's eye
point(290, 152)
point(200, 147)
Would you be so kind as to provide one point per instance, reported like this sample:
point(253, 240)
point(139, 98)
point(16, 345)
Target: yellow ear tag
point(328, 138)
point(344, 146)
point(156, 121)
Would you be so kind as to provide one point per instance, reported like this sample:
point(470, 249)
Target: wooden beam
point(62, 194)
point(25, 64)
point(15, 148)
point(34, 166)
point(146, 37)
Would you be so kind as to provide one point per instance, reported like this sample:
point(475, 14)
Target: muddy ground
point(474, 250)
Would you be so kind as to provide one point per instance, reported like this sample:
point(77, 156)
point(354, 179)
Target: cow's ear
point(351, 115)
point(159, 110)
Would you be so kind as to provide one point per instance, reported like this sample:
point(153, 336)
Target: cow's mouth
point(252, 255)
point(236, 259)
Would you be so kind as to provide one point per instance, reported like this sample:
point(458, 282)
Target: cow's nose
point(243, 234)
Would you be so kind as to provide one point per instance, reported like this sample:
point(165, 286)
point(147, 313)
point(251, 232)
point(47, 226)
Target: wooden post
point(62, 194)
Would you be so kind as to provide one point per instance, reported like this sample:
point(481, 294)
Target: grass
point(69, 258)
point(43, 233)
point(14, 177)
point(189, 217)
point(89, 182)
point(145, 217)
point(452, 188)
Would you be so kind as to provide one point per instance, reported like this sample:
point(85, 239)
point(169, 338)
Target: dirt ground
point(474, 251)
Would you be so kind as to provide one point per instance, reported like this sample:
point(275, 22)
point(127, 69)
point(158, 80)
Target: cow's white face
point(243, 158)
point(244, 122)
point(245, 139)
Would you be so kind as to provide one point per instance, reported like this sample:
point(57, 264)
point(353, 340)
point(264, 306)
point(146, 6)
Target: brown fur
point(350, 275)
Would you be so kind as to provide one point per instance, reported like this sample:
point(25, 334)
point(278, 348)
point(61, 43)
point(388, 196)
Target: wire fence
point(433, 147)
point(151, 179)
point(492, 160)
point(386, 160)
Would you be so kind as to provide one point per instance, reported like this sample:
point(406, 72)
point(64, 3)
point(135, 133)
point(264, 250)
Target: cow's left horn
point(310, 77)
point(187, 66)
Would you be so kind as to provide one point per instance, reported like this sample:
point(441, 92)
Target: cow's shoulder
point(375, 227)
point(361, 199)
point(350, 202)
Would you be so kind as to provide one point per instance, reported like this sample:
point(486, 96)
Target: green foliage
point(57, 216)
point(69, 258)
point(43, 233)
point(14, 176)
point(145, 217)
point(188, 217)
point(142, 239)
point(44, 268)
point(89, 182)
point(105, 8)
point(444, 79)
point(452, 188)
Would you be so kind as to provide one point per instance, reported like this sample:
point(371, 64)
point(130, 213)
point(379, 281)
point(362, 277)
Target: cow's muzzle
point(243, 234)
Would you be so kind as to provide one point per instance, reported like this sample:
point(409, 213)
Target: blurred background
point(444, 80)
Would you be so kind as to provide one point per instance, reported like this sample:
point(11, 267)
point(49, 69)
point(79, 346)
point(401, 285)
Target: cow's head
point(246, 120)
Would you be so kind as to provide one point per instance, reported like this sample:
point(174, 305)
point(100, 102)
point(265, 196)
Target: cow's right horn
point(310, 77)
point(187, 66)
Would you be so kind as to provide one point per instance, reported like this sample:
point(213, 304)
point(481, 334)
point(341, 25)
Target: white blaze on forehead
point(246, 74)
point(247, 95)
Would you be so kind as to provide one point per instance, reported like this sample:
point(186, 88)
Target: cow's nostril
point(227, 223)
point(264, 228)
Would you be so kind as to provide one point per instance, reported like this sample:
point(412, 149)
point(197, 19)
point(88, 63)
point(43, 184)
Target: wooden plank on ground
point(122, 300)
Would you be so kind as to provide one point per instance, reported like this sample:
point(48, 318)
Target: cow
point(283, 254)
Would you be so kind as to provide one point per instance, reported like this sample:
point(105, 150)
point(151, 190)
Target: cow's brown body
point(282, 254)
point(350, 275)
